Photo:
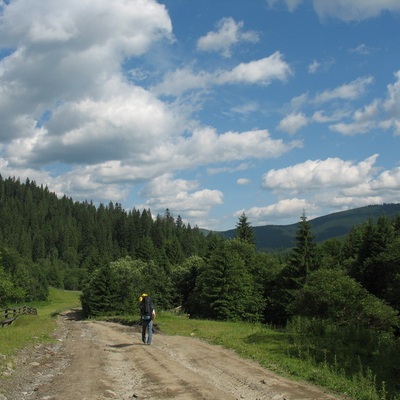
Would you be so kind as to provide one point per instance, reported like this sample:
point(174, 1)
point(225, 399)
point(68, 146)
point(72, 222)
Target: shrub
point(331, 294)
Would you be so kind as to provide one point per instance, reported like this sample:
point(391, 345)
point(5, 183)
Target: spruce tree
point(303, 259)
point(244, 231)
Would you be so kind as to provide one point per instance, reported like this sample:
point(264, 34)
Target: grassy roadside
point(28, 329)
point(274, 350)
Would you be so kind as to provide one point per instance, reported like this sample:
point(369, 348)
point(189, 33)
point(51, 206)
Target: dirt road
point(101, 360)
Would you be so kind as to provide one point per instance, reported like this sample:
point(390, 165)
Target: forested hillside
point(336, 225)
point(339, 291)
point(45, 240)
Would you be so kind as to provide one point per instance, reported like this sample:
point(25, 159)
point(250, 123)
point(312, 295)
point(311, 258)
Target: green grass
point(30, 329)
point(275, 350)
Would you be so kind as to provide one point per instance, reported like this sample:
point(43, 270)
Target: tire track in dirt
point(101, 360)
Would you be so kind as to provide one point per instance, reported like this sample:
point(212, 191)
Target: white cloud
point(180, 195)
point(299, 101)
point(230, 169)
point(229, 33)
point(282, 210)
point(246, 108)
point(313, 67)
point(392, 103)
point(293, 122)
point(325, 186)
point(261, 71)
point(205, 146)
point(349, 91)
point(396, 127)
point(291, 4)
point(106, 128)
point(320, 116)
point(361, 49)
point(322, 66)
point(243, 181)
point(363, 121)
point(182, 80)
point(257, 72)
point(354, 10)
point(346, 10)
point(142, 159)
point(380, 113)
point(389, 180)
point(351, 129)
point(65, 54)
point(315, 174)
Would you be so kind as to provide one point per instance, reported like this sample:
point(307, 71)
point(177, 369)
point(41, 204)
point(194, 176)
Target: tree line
point(50, 241)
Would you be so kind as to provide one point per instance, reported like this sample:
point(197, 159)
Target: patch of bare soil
point(102, 360)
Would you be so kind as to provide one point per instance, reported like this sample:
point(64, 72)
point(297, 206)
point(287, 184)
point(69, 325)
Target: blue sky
point(210, 108)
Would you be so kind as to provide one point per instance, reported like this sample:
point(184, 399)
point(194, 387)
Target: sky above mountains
point(209, 108)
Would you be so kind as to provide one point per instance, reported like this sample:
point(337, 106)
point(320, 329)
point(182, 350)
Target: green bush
point(331, 294)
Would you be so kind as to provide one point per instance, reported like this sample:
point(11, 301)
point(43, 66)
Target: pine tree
point(303, 259)
point(244, 231)
point(225, 288)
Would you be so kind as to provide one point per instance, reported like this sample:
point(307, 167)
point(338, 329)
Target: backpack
point(146, 307)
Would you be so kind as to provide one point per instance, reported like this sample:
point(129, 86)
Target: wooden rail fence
point(9, 315)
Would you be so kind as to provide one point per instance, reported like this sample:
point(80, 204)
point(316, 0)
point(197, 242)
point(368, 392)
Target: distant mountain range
point(336, 225)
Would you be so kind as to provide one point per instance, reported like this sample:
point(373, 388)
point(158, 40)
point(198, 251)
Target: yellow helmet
point(143, 295)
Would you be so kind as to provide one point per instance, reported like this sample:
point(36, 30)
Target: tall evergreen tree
point(303, 259)
point(300, 263)
point(244, 231)
point(100, 294)
point(225, 289)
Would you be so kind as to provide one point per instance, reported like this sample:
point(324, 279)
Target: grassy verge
point(28, 329)
point(275, 350)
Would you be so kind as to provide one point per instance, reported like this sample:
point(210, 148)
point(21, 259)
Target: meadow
point(30, 329)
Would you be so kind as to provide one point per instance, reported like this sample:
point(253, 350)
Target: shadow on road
point(121, 345)
point(75, 314)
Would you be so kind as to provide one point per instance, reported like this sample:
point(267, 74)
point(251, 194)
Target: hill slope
point(280, 237)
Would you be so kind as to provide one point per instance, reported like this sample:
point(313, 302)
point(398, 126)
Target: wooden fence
point(9, 315)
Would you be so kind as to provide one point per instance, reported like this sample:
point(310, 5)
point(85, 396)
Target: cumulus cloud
point(330, 184)
point(388, 180)
point(283, 209)
point(63, 54)
point(98, 130)
point(181, 196)
point(207, 146)
point(261, 71)
point(229, 33)
point(314, 174)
